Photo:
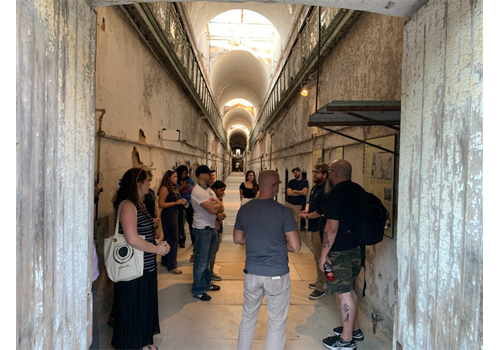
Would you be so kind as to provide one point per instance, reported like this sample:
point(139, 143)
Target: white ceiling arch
point(238, 138)
point(239, 74)
point(202, 12)
point(238, 116)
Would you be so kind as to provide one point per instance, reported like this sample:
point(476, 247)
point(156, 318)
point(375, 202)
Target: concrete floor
point(188, 323)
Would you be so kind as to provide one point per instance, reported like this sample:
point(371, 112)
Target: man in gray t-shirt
point(269, 231)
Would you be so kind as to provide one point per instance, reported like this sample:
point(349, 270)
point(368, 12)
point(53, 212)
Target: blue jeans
point(204, 248)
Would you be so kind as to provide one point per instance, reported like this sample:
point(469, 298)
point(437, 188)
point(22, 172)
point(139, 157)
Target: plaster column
point(440, 234)
point(55, 68)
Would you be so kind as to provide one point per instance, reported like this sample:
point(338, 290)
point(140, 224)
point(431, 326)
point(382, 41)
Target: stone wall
point(141, 99)
point(365, 65)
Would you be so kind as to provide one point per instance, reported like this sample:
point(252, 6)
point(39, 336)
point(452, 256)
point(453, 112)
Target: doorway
point(237, 165)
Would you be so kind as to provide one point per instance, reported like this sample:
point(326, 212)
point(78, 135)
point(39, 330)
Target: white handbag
point(123, 262)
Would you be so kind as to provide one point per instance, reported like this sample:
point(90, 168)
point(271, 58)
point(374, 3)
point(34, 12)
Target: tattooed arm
point(329, 235)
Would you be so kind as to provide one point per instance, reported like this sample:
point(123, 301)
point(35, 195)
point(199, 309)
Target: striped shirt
point(145, 227)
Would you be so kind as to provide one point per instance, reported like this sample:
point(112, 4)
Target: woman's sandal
point(175, 271)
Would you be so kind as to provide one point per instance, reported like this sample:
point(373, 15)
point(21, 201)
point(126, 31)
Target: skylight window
point(242, 30)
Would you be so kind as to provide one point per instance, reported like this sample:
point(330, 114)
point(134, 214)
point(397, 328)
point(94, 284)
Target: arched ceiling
point(238, 116)
point(201, 12)
point(238, 138)
point(239, 74)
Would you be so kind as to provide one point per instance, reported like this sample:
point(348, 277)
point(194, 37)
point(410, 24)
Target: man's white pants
point(277, 292)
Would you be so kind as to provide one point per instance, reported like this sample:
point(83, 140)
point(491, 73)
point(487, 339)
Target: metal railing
point(301, 59)
point(165, 22)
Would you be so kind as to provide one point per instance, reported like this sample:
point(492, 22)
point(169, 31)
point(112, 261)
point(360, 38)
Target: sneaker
point(356, 335)
point(316, 295)
point(203, 296)
point(213, 287)
point(312, 285)
point(338, 343)
point(215, 277)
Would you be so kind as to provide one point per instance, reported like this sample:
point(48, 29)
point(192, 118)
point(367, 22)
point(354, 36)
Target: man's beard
point(318, 181)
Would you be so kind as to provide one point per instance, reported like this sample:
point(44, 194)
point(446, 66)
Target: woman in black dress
point(171, 204)
point(249, 188)
point(136, 302)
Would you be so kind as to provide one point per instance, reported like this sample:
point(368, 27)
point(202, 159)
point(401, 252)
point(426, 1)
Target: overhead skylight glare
point(242, 30)
point(238, 101)
point(241, 127)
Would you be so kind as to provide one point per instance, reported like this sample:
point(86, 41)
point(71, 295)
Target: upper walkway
point(188, 323)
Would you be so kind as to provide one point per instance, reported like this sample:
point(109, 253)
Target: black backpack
point(373, 219)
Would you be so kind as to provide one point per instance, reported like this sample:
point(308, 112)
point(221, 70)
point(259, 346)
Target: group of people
point(135, 307)
point(268, 229)
point(134, 316)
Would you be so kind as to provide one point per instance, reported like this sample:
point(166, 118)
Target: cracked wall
point(441, 229)
point(141, 99)
point(55, 57)
point(364, 65)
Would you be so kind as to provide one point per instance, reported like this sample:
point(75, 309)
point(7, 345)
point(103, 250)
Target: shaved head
point(267, 178)
point(269, 181)
point(340, 171)
point(342, 167)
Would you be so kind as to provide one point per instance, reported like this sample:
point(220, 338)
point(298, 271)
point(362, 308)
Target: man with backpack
point(342, 252)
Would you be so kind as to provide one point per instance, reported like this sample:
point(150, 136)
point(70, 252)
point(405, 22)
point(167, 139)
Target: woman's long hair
point(128, 188)
point(166, 182)
point(180, 169)
point(254, 182)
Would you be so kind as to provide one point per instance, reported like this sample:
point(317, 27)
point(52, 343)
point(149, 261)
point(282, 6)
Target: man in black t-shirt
point(342, 252)
point(296, 191)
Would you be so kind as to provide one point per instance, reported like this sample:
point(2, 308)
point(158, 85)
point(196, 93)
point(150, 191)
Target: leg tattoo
point(346, 311)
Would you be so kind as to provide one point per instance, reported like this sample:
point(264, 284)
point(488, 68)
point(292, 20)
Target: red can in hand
point(329, 273)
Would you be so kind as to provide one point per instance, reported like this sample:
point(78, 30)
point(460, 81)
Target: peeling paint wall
point(365, 65)
point(137, 94)
point(55, 70)
point(440, 237)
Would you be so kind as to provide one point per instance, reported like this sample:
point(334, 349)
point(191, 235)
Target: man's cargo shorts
point(346, 267)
